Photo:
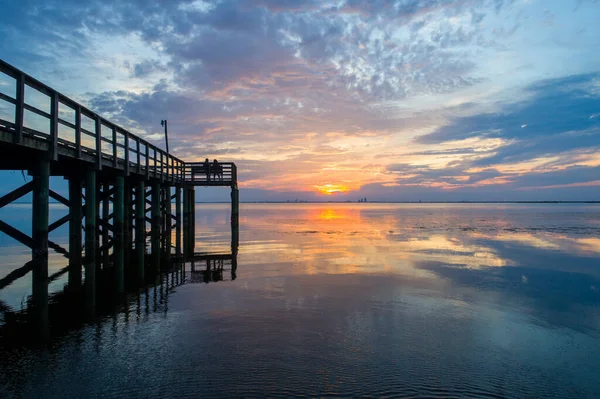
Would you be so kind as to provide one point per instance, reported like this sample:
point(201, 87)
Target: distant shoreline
point(409, 202)
point(382, 202)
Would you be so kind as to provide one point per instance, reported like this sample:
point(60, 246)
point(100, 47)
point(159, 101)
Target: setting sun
point(331, 189)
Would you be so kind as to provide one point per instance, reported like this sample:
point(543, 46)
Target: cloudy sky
point(392, 100)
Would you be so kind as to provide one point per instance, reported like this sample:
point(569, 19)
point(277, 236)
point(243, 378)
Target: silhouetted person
point(217, 170)
point(207, 169)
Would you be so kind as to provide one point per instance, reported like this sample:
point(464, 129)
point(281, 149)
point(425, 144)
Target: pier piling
point(140, 229)
point(75, 236)
point(90, 240)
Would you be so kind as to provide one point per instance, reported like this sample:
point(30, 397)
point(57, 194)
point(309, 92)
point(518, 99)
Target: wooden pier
point(122, 190)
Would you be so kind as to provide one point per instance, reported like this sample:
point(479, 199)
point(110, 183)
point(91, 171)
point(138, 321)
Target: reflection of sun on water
point(329, 214)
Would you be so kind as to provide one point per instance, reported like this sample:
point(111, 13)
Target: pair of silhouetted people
point(215, 169)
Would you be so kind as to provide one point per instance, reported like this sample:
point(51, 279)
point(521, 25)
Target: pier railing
point(211, 174)
point(35, 115)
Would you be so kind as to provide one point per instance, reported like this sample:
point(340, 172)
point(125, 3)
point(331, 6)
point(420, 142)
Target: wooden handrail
point(59, 100)
point(126, 151)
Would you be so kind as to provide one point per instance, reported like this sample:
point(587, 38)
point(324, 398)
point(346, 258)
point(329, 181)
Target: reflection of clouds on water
point(501, 255)
point(496, 301)
point(351, 238)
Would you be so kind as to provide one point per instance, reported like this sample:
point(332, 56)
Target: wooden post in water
point(75, 236)
point(186, 222)
point(140, 229)
point(97, 224)
point(168, 222)
point(41, 192)
point(178, 222)
point(127, 227)
point(90, 241)
point(156, 225)
point(118, 236)
point(235, 205)
point(193, 220)
point(105, 223)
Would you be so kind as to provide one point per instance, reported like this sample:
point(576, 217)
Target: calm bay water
point(344, 300)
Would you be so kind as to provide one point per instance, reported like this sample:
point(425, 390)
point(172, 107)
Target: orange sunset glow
point(331, 189)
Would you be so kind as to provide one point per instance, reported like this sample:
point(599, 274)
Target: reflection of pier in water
point(206, 268)
point(67, 310)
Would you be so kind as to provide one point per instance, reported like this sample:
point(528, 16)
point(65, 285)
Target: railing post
point(115, 147)
point(19, 109)
point(54, 126)
point(147, 160)
point(155, 162)
point(162, 167)
point(126, 141)
point(98, 143)
point(78, 131)
point(139, 159)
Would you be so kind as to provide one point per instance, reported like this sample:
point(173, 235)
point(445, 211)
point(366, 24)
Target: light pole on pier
point(164, 124)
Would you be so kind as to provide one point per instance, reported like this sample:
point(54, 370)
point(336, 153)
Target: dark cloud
point(557, 117)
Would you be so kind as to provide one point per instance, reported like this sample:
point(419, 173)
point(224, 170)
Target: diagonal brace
point(16, 194)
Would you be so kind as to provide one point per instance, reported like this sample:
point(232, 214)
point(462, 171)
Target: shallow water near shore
point(342, 300)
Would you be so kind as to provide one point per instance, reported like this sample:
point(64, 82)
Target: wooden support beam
point(119, 218)
point(186, 221)
point(127, 225)
point(75, 236)
point(140, 230)
point(98, 142)
point(59, 273)
point(168, 231)
point(16, 194)
point(56, 196)
point(235, 206)
point(16, 234)
point(126, 135)
point(90, 241)
point(58, 249)
point(192, 219)
point(155, 228)
point(19, 110)
point(78, 131)
point(107, 246)
point(107, 194)
point(54, 126)
point(17, 274)
point(115, 150)
point(104, 224)
point(59, 222)
point(39, 235)
point(138, 155)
